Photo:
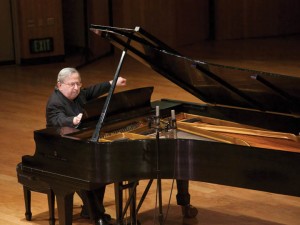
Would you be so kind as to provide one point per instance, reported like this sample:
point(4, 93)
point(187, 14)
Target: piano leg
point(27, 199)
point(51, 202)
point(65, 207)
point(183, 199)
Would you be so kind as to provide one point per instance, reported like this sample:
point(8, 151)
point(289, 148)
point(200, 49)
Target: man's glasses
point(72, 85)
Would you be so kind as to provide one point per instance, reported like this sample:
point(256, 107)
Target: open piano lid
point(212, 83)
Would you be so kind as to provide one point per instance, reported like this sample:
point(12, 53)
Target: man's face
point(70, 87)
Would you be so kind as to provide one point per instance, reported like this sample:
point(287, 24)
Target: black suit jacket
point(60, 111)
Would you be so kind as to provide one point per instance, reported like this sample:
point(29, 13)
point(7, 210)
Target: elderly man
point(65, 105)
point(65, 109)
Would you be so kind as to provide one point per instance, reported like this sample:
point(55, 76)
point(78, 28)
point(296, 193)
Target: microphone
point(157, 118)
point(172, 126)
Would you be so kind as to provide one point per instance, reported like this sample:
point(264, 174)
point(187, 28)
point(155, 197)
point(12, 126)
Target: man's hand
point(120, 82)
point(77, 119)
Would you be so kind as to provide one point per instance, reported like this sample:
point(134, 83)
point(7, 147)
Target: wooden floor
point(23, 95)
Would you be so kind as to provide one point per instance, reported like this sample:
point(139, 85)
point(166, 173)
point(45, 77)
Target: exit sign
point(41, 45)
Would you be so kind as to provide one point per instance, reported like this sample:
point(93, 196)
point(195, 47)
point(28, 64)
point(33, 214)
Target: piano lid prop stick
point(100, 122)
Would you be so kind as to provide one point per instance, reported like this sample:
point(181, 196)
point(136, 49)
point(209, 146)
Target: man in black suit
point(65, 109)
point(65, 105)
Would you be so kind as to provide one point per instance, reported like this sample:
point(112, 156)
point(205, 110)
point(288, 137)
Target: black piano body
point(256, 102)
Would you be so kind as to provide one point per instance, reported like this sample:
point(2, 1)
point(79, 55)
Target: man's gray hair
point(64, 73)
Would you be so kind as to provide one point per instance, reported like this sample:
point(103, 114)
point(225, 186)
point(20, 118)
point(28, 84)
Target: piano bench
point(31, 183)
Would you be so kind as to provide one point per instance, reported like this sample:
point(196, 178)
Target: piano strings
point(205, 128)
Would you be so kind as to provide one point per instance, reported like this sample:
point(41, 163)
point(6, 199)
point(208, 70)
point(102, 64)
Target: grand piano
point(245, 135)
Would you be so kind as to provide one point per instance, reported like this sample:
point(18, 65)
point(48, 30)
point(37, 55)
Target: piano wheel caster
point(189, 211)
point(28, 216)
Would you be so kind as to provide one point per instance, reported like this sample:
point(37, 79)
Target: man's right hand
point(77, 119)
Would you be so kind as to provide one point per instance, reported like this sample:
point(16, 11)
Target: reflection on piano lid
point(212, 83)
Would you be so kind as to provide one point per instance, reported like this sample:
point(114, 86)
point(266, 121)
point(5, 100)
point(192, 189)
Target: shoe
point(102, 222)
point(85, 214)
point(189, 211)
point(107, 217)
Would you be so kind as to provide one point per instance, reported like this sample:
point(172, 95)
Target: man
point(65, 109)
point(65, 106)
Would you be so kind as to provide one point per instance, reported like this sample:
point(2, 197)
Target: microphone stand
point(160, 216)
point(156, 121)
point(170, 128)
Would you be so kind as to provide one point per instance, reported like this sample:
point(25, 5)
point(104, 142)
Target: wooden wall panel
point(175, 22)
point(98, 11)
point(192, 21)
point(40, 19)
point(6, 37)
point(236, 19)
point(156, 16)
point(79, 40)
point(290, 14)
point(228, 19)
point(73, 25)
